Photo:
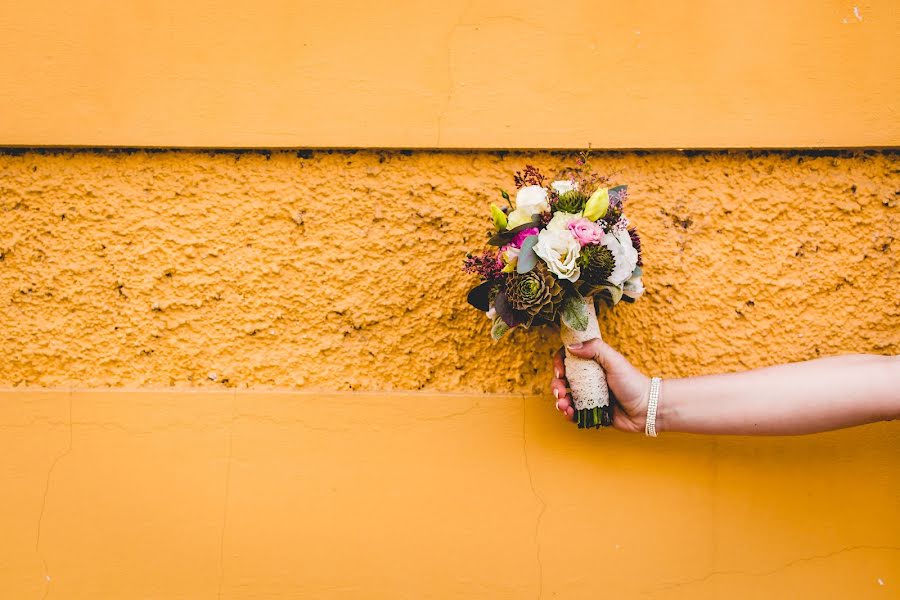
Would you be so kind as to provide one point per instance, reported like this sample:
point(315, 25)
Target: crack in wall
point(537, 524)
point(299, 422)
point(289, 423)
point(452, 415)
point(783, 567)
point(110, 425)
point(37, 543)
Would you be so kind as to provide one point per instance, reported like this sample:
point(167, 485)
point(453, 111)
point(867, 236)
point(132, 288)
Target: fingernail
point(574, 346)
point(556, 393)
point(557, 407)
point(556, 372)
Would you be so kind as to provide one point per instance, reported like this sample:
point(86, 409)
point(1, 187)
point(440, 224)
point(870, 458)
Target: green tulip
point(597, 205)
point(499, 217)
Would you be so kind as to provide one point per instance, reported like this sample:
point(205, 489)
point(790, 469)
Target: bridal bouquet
point(556, 254)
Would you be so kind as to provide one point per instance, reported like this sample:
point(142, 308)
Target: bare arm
point(790, 399)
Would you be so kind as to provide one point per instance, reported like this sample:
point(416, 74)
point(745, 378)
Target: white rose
point(559, 249)
point(619, 243)
point(561, 220)
point(532, 199)
point(563, 186)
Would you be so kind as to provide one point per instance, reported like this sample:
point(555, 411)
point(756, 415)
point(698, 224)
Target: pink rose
point(586, 231)
point(520, 237)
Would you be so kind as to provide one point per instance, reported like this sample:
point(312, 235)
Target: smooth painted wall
point(451, 74)
point(249, 495)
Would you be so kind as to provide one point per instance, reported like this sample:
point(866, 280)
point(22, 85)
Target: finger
point(589, 349)
point(558, 388)
point(563, 403)
point(559, 364)
point(596, 349)
point(570, 412)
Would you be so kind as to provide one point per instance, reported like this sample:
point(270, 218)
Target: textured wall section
point(340, 270)
point(450, 74)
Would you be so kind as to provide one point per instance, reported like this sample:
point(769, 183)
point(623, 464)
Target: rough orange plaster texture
point(340, 270)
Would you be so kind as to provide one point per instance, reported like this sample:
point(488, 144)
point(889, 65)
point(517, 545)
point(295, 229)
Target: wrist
point(640, 412)
point(660, 413)
point(665, 407)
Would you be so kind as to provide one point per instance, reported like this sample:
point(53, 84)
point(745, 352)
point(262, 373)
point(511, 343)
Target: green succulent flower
point(572, 201)
point(597, 264)
point(536, 293)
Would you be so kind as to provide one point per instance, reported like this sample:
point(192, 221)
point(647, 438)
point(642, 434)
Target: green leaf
point(504, 194)
point(505, 237)
point(573, 312)
point(478, 296)
point(499, 328)
point(527, 258)
point(615, 293)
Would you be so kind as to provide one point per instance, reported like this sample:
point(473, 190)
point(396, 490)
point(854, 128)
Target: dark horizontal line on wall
point(309, 152)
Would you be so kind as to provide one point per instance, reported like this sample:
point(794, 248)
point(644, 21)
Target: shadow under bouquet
point(560, 251)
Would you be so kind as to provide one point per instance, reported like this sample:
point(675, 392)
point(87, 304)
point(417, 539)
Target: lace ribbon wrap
point(587, 378)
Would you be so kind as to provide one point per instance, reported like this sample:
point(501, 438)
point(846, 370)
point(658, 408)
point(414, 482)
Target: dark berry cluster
point(486, 265)
point(529, 176)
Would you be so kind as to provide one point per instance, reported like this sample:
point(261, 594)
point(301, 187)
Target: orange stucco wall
point(451, 74)
point(341, 270)
point(254, 374)
point(342, 426)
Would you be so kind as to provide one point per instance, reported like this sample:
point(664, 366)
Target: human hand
point(630, 389)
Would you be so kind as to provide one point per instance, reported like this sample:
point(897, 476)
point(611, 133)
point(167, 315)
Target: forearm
point(797, 398)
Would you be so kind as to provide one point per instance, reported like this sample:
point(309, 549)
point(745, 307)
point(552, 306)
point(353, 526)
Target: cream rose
point(559, 249)
point(532, 199)
point(619, 243)
point(561, 220)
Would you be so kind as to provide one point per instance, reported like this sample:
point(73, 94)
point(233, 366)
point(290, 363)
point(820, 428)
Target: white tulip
point(520, 216)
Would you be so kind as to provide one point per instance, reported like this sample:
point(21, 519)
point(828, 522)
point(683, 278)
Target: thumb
point(595, 349)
